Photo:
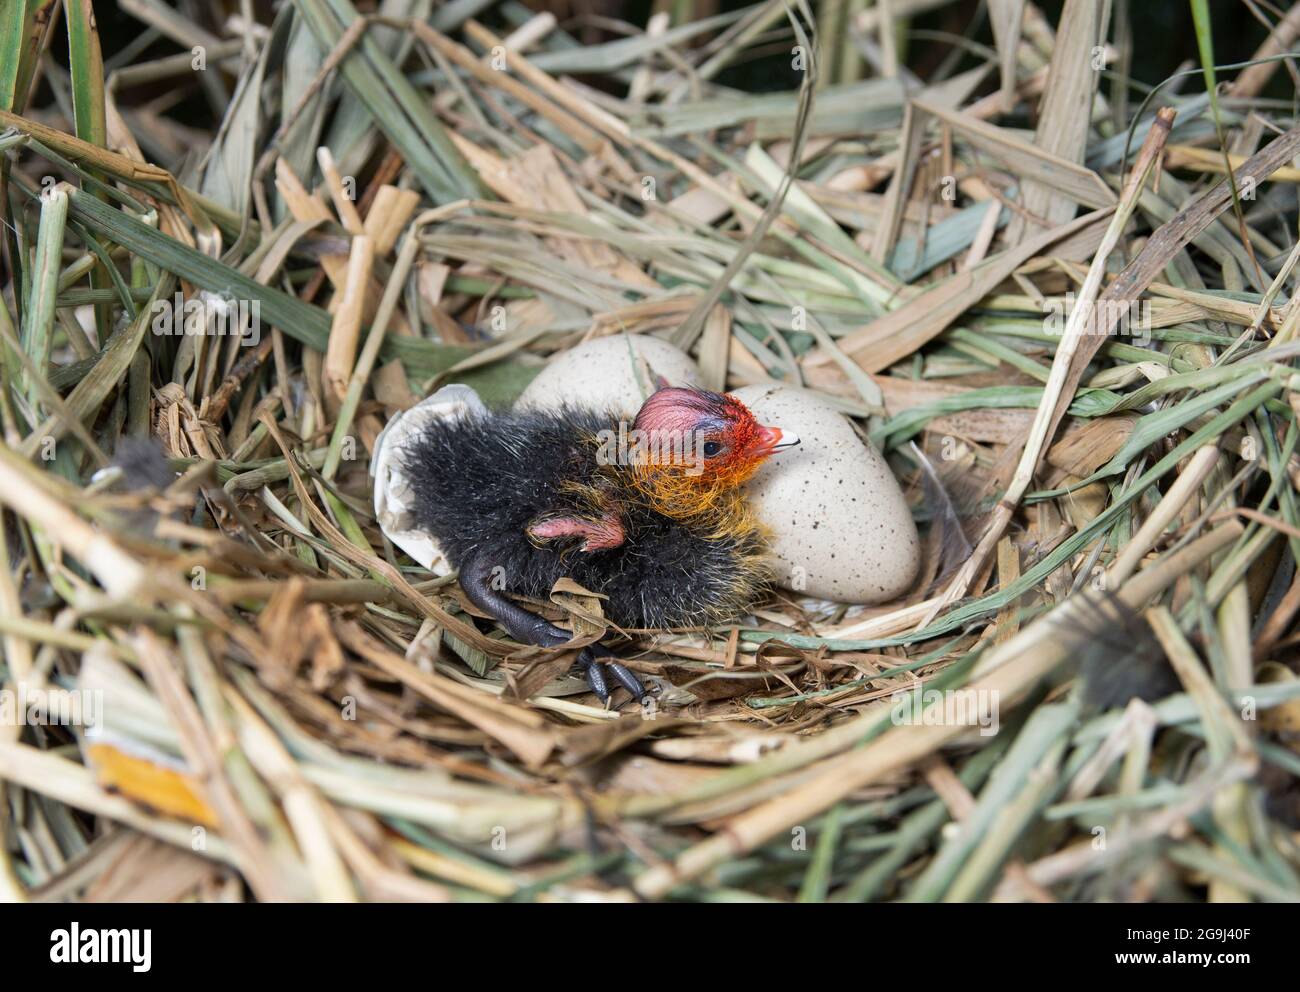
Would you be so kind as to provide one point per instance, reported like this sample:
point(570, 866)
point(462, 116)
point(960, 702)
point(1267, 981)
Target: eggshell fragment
point(840, 528)
point(613, 373)
point(393, 495)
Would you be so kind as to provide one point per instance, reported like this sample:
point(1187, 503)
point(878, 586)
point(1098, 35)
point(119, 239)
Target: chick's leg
point(528, 628)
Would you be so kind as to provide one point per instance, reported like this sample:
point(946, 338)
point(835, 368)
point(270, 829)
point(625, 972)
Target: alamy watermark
point(1118, 318)
point(208, 313)
point(30, 707)
point(74, 945)
point(947, 708)
point(656, 447)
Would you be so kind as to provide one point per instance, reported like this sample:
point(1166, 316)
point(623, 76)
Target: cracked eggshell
point(839, 525)
point(604, 374)
point(393, 490)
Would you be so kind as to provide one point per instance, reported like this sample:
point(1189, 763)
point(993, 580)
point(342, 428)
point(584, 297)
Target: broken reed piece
point(345, 330)
point(532, 31)
point(344, 199)
point(388, 216)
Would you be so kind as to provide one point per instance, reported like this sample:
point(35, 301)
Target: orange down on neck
point(711, 498)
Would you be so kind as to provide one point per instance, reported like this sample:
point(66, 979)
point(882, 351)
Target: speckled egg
point(609, 374)
point(840, 527)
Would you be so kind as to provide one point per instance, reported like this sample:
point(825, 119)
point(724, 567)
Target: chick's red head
point(709, 435)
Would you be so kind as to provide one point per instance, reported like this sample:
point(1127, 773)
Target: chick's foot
point(597, 669)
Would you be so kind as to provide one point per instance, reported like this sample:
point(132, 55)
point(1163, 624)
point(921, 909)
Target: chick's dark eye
point(712, 449)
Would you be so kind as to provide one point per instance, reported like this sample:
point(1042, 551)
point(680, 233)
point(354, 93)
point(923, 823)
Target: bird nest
point(1070, 334)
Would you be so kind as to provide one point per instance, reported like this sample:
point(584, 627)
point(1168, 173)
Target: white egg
point(839, 525)
point(609, 374)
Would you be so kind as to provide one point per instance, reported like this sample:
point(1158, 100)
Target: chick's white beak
point(776, 439)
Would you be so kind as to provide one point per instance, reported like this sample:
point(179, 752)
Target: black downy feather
point(143, 464)
point(1119, 657)
point(481, 480)
point(143, 468)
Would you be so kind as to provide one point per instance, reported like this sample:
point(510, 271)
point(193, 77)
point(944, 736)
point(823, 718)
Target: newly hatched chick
point(652, 517)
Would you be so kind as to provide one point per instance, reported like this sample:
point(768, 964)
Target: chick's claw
point(627, 680)
point(596, 670)
point(596, 677)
